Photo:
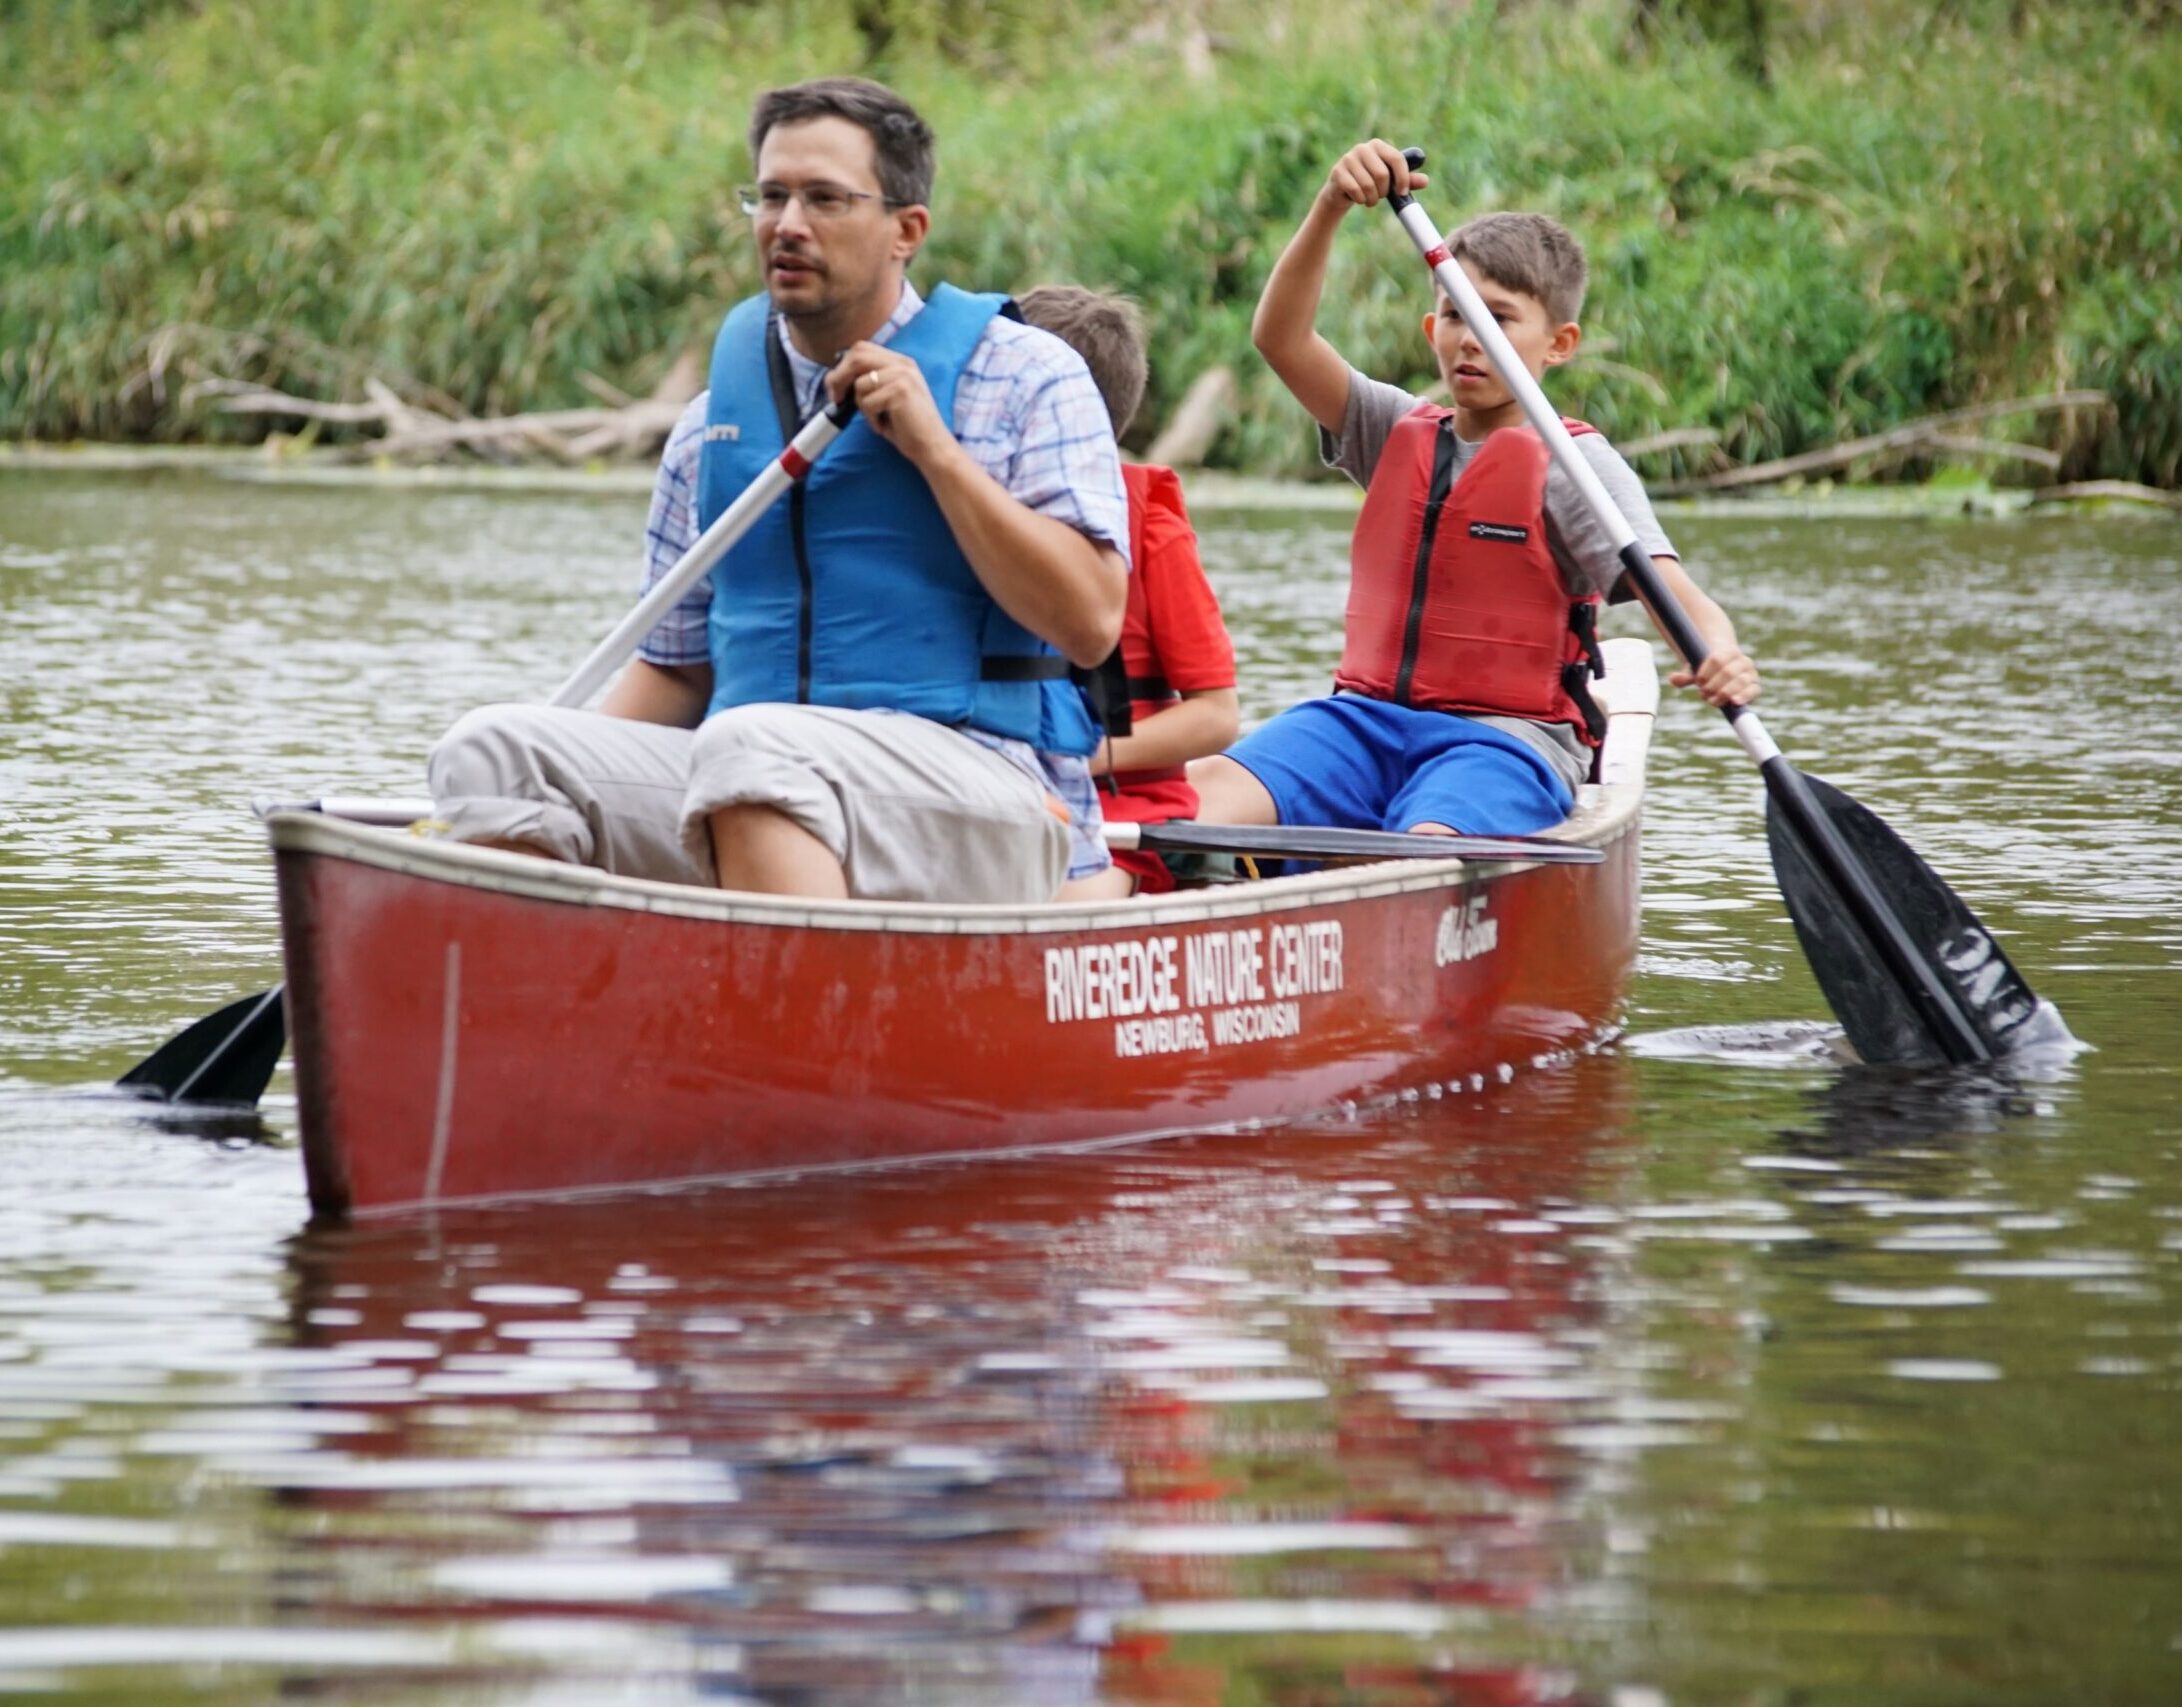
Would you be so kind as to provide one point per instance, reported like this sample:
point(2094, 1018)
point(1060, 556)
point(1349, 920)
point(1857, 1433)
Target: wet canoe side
point(474, 1026)
point(471, 1025)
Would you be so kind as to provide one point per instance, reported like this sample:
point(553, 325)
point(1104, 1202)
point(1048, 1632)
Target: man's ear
point(911, 224)
point(1566, 337)
point(1431, 327)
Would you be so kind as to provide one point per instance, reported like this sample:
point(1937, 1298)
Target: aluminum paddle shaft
point(1961, 1021)
point(713, 544)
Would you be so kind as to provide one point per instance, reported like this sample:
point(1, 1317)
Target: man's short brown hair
point(1107, 331)
point(1527, 252)
point(901, 142)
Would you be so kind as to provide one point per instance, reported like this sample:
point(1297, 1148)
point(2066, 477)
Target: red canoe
point(476, 1026)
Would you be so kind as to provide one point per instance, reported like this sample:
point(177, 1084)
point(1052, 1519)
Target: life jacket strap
point(1105, 689)
point(1583, 621)
point(1043, 667)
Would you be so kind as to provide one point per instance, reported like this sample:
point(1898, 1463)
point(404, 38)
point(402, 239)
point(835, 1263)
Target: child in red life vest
point(1461, 702)
point(1180, 662)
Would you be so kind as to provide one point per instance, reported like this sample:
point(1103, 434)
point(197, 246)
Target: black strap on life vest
point(1105, 689)
point(1025, 667)
point(1583, 620)
point(789, 409)
point(1436, 495)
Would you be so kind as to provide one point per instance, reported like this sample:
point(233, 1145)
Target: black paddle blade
point(1886, 1021)
point(226, 1057)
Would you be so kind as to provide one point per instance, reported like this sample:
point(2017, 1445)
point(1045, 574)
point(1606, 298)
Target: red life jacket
point(1455, 602)
point(1149, 692)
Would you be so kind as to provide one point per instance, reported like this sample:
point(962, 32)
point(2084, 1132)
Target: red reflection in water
point(992, 1423)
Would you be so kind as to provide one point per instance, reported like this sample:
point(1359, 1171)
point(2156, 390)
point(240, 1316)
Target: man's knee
point(762, 756)
point(487, 752)
point(770, 731)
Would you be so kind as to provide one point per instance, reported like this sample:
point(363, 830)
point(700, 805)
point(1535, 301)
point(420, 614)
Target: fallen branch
point(238, 397)
point(543, 429)
point(216, 347)
point(1205, 407)
point(1675, 438)
point(627, 427)
point(640, 428)
point(1915, 435)
point(1966, 444)
point(2126, 491)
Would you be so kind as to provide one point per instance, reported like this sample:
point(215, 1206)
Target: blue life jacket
point(852, 591)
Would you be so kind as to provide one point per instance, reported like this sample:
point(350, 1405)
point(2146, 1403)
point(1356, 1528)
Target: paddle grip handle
point(1413, 158)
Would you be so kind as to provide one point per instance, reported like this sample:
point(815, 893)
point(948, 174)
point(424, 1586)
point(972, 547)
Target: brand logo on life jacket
point(1500, 530)
point(725, 430)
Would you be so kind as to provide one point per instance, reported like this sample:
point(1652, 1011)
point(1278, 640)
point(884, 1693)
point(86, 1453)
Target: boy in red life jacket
point(1461, 702)
point(1180, 661)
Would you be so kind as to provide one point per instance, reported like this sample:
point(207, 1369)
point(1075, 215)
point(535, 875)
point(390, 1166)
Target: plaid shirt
point(1029, 415)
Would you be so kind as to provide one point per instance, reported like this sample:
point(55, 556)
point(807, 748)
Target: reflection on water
point(1709, 1370)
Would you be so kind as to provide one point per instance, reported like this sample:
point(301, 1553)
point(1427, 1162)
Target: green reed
point(496, 205)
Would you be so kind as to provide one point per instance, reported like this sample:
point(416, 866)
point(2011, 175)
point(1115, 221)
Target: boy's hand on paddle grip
point(1726, 677)
point(1367, 174)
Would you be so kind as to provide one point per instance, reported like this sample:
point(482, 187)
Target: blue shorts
point(1352, 763)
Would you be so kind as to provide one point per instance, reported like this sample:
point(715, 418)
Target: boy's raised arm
point(1285, 327)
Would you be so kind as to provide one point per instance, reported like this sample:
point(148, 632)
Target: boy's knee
point(1228, 792)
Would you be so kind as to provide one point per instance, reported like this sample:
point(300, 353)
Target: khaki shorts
point(914, 811)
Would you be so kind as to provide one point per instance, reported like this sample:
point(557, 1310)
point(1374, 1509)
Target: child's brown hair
point(1107, 331)
point(1527, 252)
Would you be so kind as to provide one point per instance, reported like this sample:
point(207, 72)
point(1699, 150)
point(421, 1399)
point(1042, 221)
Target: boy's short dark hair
point(1527, 252)
point(901, 141)
point(1107, 331)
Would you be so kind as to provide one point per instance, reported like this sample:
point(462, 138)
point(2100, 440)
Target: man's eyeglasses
point(820, 201)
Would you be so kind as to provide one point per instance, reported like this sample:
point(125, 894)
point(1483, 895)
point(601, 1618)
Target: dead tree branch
point(1930, 433)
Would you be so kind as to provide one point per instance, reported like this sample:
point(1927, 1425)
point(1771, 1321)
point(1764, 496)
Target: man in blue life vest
point(871, 695)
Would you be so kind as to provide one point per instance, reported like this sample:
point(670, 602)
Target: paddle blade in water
point(226, 1057)
point(1885, 1021)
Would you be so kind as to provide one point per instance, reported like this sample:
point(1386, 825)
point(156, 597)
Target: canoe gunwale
point(1605, 811)
point(1601, 819)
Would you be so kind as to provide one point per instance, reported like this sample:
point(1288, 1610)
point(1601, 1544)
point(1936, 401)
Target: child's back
point(1175, 647)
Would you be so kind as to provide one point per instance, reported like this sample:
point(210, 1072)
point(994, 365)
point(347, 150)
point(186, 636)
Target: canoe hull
point(474, 1026)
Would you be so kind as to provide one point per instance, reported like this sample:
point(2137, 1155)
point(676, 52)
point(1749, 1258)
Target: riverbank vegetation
point(1808, 221)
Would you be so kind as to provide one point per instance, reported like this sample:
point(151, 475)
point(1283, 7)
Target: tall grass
point(1918, 206)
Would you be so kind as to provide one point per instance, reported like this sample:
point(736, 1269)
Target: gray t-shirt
point(1583, 549)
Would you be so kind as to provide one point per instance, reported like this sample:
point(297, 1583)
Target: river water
point(1705, 1370)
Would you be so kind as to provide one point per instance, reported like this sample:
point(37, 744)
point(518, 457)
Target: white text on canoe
point(1250, 978)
